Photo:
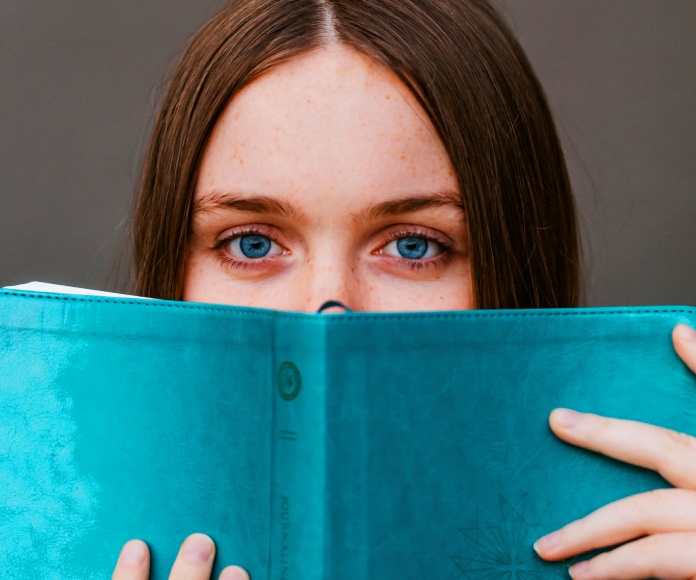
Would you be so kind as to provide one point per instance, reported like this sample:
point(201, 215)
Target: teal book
point(311, 446)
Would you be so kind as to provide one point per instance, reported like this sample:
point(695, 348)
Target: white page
point(59, 289)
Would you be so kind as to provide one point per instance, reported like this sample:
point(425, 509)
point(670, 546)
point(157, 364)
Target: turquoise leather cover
point(359, 445)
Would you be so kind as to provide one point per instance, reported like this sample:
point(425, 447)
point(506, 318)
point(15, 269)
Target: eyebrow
point(248, 203)
point(266, 204)
point(410, 203)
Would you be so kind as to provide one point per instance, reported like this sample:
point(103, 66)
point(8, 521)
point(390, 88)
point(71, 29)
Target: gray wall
point(79, 81)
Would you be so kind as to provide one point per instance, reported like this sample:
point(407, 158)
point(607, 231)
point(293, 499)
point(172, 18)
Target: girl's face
point(325, 180)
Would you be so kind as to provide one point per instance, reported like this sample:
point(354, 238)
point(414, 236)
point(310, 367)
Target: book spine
point(348, 496)
point(298, 450)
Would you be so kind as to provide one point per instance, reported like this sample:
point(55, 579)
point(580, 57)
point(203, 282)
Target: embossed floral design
point(500, 545)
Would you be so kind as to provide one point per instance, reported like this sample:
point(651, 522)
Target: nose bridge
point(331, 277)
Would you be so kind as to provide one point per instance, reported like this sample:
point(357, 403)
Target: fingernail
point(198, 548)
point(547, 544)
point(134, 553)
point(578, 570)
point(234, 573)
point(686, 333)
point(567, 418)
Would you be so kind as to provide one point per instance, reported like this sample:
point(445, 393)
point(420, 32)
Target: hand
point(659, 526)
point(194, 562)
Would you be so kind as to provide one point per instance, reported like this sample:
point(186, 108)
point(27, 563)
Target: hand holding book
point(655, 529)
point(194, 562)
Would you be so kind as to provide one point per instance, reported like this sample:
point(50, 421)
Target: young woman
point(392, 155)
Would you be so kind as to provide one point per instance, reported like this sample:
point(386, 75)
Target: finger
point(666, 556)
point(195, 559)
point(670, 453)
point(234, 573)
point(133, 562)
point(684, 338)
point(654, 512)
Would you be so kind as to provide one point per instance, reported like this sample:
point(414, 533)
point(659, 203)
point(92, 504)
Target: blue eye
point(412, 248)
point(253, 247)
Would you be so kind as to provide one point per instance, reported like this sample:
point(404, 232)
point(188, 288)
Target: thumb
point(684, 338)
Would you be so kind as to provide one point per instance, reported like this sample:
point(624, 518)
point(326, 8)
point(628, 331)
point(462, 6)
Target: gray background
point(80, 79)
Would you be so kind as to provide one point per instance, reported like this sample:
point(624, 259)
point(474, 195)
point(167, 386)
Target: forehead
point(331, 121)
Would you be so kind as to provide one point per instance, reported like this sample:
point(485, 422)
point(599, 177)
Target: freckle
point(241, 161)
point(442, 297)
point(236, 116)
point(309, 101)
point(388, 97)
point(402, 157)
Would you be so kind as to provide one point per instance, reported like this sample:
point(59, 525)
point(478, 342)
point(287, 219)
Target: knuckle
point(598, 427)
point(648, 504)
point(644, 508)
point(651, 499)
point(601, 423)
point(679, 443)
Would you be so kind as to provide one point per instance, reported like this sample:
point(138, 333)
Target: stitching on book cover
point(350, 319)
point(136, 302)
point(541, 312)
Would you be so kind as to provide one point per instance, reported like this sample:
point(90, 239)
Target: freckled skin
point(330, 133)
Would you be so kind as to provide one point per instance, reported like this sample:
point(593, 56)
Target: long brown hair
point(469, 74)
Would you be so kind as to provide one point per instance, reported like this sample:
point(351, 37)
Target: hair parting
point(472, 79)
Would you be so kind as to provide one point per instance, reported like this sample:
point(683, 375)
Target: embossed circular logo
point(289, 381)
